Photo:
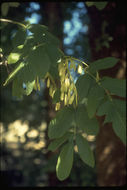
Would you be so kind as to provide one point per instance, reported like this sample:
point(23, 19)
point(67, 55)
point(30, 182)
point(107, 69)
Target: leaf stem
point(13, 22)
point(73, 58)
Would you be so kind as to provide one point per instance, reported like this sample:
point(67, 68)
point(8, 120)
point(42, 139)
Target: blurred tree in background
point(88, 34)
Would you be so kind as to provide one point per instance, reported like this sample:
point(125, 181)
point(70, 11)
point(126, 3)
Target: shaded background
point(85, 33)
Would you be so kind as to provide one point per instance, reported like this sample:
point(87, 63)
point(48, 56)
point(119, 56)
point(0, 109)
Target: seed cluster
point(67, 89)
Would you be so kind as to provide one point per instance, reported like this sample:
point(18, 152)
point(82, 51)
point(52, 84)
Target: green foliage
point(37, 57)
point(13, 73)
point(62, 123)
point(114, 113)
point(98, 5)
point(37, 53)
point(58, 142)
point(87, 125)
point(83, 85)
point(17, 89)
point(29, 87)
point(19, 37)
point(85, 151)
point(5, 7)
point(101, 64)
point(39, 61)
point(65, 161)
point(95, 95)
point(115, 86)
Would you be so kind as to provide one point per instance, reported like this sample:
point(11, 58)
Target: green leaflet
point(65, 161)
point(53, 52)
point(28, 45)
point(19, 37)
point(100, 5)
point(15, 55)
point(42, 35)
point(37, 28)
point(101, 64)
point(29, 87)
point(54, 71)
point(13, 58)
point(119, 126)
point(89, 4)
point(95, 95)
point(115, 86)
point(17, 88)
point(4, 9)
point(85, 151)
point(13, 73)
point(121, 106)
point(39, 61)
point(61, 123)
point(26, 74)
point(83, 85)
point(58, 142)
point(15, 4)
point(113, 113)
point(39, 32)
point(89, 126)
point(52, 39)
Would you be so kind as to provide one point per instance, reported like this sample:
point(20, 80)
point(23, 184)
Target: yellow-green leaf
point(13, 58)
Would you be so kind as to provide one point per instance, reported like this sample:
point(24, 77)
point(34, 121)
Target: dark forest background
point(86, 33)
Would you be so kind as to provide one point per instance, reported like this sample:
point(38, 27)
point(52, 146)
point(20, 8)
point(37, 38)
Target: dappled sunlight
point(111, 168)
point(75, 148)
point(107, 150)
point(33, 133)
point(15, 130)
point(17, 133)
point(90, 138)
point(34, 145)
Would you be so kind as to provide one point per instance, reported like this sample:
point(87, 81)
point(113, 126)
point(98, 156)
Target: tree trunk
point(110, 151)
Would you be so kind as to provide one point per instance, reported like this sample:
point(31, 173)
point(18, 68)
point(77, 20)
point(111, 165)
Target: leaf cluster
point(37, 57)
